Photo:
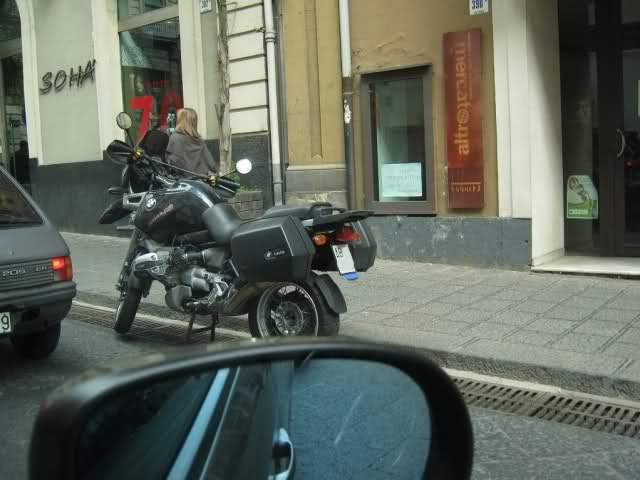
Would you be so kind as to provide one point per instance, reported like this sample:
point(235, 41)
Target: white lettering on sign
point(401, 180)
point(478, 7)
point(205, 6)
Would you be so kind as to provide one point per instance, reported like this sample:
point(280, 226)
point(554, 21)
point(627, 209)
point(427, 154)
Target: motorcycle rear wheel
point(127, 309)
point(292, 309)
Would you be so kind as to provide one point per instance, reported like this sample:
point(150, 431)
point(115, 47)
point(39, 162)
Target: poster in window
point(401, 180)
point(582, 198)
point(151, 97)
point(463, 73)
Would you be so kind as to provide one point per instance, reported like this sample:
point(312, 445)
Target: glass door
point(4, 157)
point(580, 127)
point(627, 164)
point(14, 121)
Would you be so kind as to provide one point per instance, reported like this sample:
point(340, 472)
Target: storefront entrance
point(600, 76)
point(14, 149)
point(13, 119)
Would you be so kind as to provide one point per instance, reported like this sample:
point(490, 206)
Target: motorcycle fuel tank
point(176, 210)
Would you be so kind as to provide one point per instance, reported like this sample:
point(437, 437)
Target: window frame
point(154, 16)
point(135, 22)
point(425, 207)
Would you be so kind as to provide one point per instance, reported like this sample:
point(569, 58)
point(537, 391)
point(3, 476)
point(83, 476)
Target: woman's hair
point(188, 123)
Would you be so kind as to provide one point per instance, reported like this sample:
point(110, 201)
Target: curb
point(608, 386)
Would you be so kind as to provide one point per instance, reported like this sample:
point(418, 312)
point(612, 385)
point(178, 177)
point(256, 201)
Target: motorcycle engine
point(175, 269)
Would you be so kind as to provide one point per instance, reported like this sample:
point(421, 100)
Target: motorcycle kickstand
point(212, 328)
point(214, 324)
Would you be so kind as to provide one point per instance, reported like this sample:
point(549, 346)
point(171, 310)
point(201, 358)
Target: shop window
point(151, 75)
point(129, 8)
point(398, 140)
point(9, 21)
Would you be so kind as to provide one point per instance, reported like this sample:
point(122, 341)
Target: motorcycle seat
point(303, 212)
point(221, 221)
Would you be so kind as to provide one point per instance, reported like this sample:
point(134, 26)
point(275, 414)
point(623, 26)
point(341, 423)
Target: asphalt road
point(506, 447)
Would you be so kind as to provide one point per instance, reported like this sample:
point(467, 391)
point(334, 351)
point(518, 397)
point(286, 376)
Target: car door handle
point(283, 448)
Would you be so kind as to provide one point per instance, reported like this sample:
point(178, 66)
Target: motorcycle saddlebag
point(364, 250)
point(272, 250)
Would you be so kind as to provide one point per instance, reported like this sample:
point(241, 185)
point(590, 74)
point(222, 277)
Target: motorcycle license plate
point(343, 258)
point(6, 323)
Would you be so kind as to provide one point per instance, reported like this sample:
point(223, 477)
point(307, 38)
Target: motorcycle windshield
point(119, 152)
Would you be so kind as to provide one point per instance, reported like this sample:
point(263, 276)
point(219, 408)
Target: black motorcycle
point(189, 238)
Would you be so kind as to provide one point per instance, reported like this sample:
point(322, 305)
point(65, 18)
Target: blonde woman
point(186, 148)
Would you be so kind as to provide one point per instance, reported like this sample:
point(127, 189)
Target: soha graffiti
point(74, 77)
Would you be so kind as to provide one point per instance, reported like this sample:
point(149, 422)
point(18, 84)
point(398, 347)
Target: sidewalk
point(580, 333)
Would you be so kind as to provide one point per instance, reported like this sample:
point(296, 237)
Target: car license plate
point(6, 323)
point(343, 258)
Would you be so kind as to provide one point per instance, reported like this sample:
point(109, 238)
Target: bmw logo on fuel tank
point(150, 203)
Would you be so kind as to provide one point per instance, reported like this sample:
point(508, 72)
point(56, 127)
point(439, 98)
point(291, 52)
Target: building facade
point(399, 118)
point(68, 68)
point(499, 133)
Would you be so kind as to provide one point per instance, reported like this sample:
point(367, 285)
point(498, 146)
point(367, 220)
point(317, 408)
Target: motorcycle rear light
point(62, 269)
point(320, 239)
point(347, 234)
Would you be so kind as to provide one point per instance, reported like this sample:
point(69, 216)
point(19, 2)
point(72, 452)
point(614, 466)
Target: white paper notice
point(401, 180)
point(478, 7)
point(205, 6)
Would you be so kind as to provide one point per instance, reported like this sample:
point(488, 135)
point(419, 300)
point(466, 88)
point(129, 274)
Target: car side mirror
point(309, 408)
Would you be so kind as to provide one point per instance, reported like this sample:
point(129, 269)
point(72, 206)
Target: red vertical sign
point(463, 71)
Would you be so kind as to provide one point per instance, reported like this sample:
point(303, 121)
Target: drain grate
point(599, 415)
point(142, 328)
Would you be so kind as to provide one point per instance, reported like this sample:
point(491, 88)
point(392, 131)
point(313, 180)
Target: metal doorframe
point(4, 157)
point(7, 49)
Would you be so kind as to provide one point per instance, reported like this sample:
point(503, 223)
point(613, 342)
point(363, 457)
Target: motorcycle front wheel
point(127, 309)
point(292, 309)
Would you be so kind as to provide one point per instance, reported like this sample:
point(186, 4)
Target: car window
point(138, 434)
point(15, 209)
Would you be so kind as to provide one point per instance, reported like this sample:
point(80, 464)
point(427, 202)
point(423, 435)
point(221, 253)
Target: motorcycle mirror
point(123, 119)
point(317, 407)
point(244, 166)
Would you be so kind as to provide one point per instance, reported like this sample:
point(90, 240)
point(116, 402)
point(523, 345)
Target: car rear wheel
point(127, 309)
point(39, 344)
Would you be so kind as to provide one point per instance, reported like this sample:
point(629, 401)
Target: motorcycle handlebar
point(220, 182)
point(229, 184)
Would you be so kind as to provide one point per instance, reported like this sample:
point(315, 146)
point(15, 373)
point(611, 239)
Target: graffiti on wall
point(62, 79)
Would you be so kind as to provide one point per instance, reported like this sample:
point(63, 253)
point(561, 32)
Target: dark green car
point(36, 274)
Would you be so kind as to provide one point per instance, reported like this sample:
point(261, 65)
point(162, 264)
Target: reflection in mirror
point(124, 121)
point(244, 166)
point(315, 419)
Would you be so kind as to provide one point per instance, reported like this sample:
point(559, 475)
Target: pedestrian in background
point(187, 149)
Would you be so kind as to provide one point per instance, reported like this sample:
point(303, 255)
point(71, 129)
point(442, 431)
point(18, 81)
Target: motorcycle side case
point(272, 250)
point(364, 250)
point(177, 210)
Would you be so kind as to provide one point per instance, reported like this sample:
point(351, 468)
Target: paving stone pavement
point(576, 332)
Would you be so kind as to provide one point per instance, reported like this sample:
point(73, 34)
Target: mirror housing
point(244, 166)
point(65, 415)
point(123, 119)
